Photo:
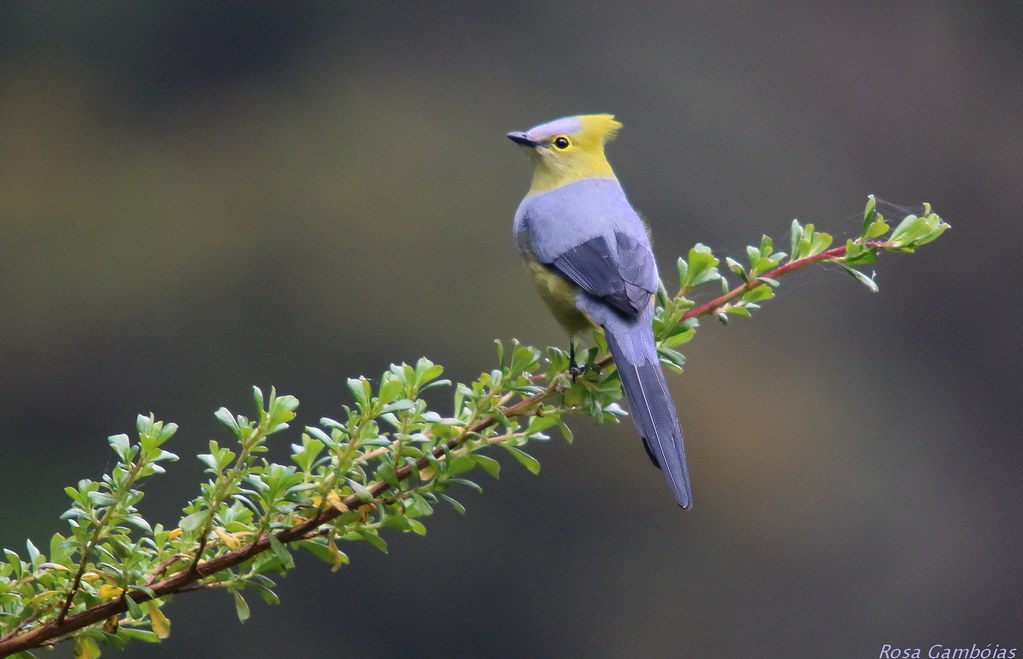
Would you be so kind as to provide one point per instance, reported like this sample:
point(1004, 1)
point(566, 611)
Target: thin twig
point(189, 579)
point(711, 307)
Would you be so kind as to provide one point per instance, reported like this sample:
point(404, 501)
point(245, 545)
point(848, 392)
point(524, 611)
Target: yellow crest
point(599, 127)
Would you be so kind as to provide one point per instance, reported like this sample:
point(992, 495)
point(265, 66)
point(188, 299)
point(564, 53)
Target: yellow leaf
point(110, 625)
point(86, 648)
point(43, 596)
point(158, 621)
point(335, 501)
point(338, 556)
point(366, 509)
point(174, 533)
point(227, 538)
point(55, 566)
point(108, 592)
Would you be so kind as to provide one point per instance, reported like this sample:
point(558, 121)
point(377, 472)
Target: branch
point(182, 581)
point(713, 307)
point(384, 467)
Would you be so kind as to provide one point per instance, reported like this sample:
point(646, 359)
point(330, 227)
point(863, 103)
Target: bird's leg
point(575, 369)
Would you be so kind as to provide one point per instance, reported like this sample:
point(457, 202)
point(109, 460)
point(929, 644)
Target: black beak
point(520, 138)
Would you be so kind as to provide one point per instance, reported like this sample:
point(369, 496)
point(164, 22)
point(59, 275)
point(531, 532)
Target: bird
point(588, 253)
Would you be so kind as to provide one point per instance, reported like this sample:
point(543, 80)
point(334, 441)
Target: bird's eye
point(561, 142)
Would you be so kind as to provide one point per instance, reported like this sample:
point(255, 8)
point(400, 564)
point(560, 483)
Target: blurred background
point(199, 197)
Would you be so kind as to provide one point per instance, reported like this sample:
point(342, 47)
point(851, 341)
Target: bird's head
point(567, 150)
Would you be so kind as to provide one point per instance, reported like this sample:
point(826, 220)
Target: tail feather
point(653, 411)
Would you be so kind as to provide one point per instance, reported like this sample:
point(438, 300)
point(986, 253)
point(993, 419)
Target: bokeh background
point(198, 197)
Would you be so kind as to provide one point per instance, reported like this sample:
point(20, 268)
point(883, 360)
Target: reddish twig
point(188, 579)
point(713, 306)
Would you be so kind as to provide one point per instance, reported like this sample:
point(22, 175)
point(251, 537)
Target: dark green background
point(199, 197)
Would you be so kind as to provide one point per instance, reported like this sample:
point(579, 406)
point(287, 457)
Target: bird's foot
point(574, 369)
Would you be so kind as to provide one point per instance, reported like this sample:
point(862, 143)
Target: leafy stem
point(383, 468)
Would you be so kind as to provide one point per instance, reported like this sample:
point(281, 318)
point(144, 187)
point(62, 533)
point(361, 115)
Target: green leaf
point(857, 254)
point(133, 608)
point(796, 238)
point(396, 521)
point(281, 551)
point(364, 495)
point(120, 444)
point(281, 411)
point(306, 454)
point(398, 406)
point(524, 358)
point(101, 499)
point(361, 391)
point(906, 230)
point(386, 473)
point(240, 606)
point(673, 360)
point(459, 464)
point(566, 432)
point(699, 267)
point(757, 294)
point(681, 333)
point(269, 596)
point(526, 460)
point(372, 538)
point(35, 557)
point(138, 522)
point(538, 423)
point(876, 229)
point(193, 522)
point(14, 561)
point(489, 465)
point(467, 483)
point(869, 214)
point(145, 589)
point(60, 552)
point(427, 371)
point(862, 278)
point(915, 231)
point(754, 256)
point(165, 455)
point(820, 242)
point(225, 417)
point(418, 506)
point(390, 387)
point(453, 503)
point(135, 634)
point(736, 267)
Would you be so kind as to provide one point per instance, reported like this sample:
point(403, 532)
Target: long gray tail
point(652, 409)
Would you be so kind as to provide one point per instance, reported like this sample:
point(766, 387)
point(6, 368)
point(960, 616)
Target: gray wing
point(589, 233)
point(617, 269)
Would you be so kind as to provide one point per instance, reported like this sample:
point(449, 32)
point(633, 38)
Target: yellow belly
point(559, 294)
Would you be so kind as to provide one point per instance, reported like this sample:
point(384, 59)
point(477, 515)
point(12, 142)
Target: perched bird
point(589, 256)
